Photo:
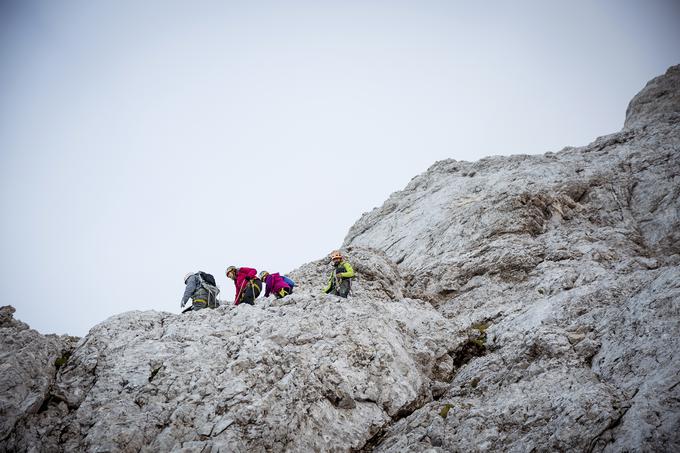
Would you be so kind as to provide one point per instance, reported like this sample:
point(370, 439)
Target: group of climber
point(202, 289)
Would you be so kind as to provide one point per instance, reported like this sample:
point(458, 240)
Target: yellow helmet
point(263, 275)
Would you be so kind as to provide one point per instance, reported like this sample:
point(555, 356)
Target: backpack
point(288, 280)
point(208, 283)
point(208, 278)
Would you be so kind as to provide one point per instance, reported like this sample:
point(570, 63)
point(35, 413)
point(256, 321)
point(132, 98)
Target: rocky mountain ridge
point(511, 304)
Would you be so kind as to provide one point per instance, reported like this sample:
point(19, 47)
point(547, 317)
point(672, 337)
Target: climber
point(248, 286)
point(201, 289)
point(276, 285)
point(339, 282)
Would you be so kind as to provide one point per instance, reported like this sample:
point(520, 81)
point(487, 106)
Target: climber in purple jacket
point(275, 285)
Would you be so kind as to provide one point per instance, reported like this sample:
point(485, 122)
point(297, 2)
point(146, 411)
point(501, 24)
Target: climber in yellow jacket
point(339, 281)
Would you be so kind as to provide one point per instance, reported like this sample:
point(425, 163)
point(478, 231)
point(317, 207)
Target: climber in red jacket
point(248, 286)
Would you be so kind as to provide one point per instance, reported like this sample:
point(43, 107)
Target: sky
point(140, 141)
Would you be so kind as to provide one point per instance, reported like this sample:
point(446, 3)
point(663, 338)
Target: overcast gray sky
point(141, 140)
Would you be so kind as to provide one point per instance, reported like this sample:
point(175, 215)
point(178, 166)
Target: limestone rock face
point(658, 102)
point(28, 365)
point(570, 264)
point(592, 368)
point(317, 373)
point(511, 304)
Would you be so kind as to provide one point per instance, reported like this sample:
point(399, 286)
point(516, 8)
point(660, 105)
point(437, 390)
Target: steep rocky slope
point(511, 304)
point(570, 261)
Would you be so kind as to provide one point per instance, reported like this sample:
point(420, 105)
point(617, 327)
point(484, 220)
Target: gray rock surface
point(658, 102)
point(317, 373)
point(28, 366)
point(569, 263)
point(511, 304)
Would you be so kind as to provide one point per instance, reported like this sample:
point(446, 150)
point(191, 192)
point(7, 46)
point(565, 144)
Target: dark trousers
point(251, 291)
point(342, 289)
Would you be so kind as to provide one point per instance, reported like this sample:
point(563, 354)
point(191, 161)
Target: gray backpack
point(208, 283)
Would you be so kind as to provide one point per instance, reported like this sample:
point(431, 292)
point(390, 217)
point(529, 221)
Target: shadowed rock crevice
point(474, 346)
point(445, 369)
point(154, 372)
point(379, 433)
point(600, 442)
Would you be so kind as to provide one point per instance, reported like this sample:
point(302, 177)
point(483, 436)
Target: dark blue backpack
point(290, 282)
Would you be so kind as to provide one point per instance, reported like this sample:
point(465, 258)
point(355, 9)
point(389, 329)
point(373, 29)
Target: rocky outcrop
point(657, 103)
point(594, 368)
point(612, 201)
point(28, 365)
point(308, 373)
point(569, 262)
point(511, 304)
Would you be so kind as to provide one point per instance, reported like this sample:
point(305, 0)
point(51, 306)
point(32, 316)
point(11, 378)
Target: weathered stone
point(572, 258)
point(511, 304)
point(28, 364)
point(317, 373)
point(658, 102)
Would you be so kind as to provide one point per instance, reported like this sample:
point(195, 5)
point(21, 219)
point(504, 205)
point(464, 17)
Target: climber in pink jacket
point(275, 285)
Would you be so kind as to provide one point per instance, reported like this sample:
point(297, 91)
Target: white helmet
point(186, 277)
